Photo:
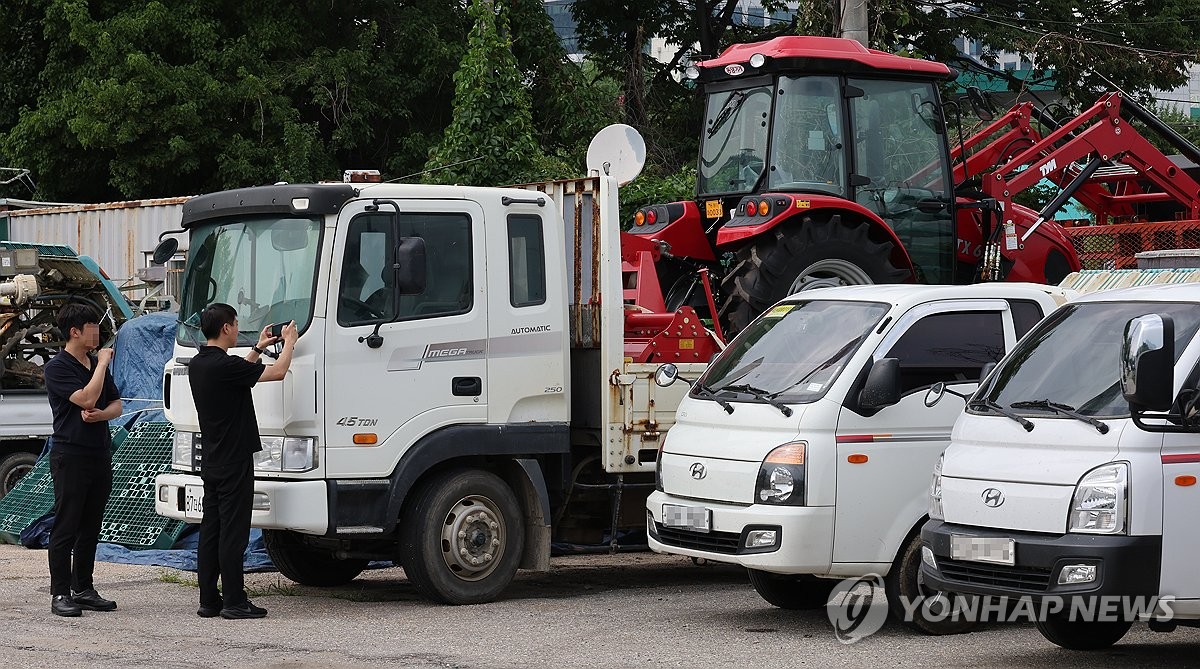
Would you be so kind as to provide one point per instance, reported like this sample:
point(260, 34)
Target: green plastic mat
point(129, 517)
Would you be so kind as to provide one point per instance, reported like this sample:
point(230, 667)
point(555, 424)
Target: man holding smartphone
point(221, 385)
point(83, 398)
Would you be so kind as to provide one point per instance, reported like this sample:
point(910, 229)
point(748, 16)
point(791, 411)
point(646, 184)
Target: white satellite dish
point(618, 151)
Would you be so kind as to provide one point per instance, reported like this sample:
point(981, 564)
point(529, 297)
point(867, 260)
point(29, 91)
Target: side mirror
point(882, 388)
point(1148, 362)
point(987, 369)
point(936, 392)
point(289, 234)
point(410, 265)
point(665, 375)
point(165, 250)
point(980, 104)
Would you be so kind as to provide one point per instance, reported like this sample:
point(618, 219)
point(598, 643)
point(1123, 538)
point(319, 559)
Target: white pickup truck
point(1071, 478)
point(805, 449)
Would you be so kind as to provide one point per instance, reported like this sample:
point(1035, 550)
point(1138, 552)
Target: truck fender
point(730, 237)
point(535, 499)
point(476, 444)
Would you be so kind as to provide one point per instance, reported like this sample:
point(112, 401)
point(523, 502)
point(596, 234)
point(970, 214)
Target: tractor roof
point(817, 54)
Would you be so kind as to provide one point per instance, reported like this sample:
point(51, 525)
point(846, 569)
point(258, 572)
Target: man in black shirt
point(83, 398)
point(221, 386)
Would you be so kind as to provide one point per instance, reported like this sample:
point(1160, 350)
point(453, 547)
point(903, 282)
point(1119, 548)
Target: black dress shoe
point(246, 609)
point(206, 611)
point(62, 605)
point(92, 601)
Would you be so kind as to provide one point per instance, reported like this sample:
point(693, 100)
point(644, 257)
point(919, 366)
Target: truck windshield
point(265, 267)
point(734, 141)
point(1072, 358)
point(795, 351)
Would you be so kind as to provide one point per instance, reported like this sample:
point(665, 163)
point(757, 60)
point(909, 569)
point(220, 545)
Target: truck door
point(430, 369)
point(881, 498)
point(1181, 504)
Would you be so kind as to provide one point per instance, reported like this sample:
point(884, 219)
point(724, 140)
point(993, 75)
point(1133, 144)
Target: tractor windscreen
point(807, 151)
point(734, 142)
point(265, 267)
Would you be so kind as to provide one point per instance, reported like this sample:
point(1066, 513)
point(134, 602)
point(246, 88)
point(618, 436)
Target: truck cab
point(462, 376)
point(1070, 479)
point(804, 450)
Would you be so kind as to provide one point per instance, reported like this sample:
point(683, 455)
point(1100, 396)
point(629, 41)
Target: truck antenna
point(434, 169)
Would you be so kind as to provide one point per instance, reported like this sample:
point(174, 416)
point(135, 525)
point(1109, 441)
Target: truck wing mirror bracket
point(882, 387)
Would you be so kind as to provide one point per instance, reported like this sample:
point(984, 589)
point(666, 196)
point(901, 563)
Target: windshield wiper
point(732, 104)
point(992, 406)
point(760, 395)
point(707, 393)
point(1064, 409)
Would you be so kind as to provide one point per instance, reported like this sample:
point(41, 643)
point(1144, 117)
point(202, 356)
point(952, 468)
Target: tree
point(490, 138)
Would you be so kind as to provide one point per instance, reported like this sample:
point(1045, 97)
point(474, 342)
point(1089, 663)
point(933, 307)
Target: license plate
point(695, 518)
point(713, 209)
point(193, 501)
point(983, 549)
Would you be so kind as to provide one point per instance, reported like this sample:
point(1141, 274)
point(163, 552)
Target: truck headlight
point(781, 476)
point(286, 454)
point(181, 454)
point(1100, 504)
point(935, 492)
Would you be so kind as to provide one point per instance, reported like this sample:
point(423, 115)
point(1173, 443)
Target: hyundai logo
point(698, 470)
point(992, 497)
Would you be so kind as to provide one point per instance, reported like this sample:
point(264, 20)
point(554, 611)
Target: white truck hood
point(702, 428)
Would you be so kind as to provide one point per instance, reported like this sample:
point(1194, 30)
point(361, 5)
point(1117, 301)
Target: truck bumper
point(1125, 565)
point(302, 506)
point(804, 539)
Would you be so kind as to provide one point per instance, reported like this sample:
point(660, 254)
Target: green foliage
point(490, 139)
point(655, 187)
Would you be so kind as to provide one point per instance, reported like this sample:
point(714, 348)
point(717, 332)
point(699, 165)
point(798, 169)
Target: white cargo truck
point(803, 453)
point(469, 380)
point(1071, 478)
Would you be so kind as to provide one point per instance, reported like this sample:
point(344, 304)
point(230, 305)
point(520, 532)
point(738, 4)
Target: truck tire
point(462, 537)
point(13, 467)
point(803, 253)
point(1082, 634)
point(796, 593)
point(904, 581)
point(306, 565)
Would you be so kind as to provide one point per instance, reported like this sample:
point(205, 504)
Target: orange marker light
point(763, 207)
point(788, 454)
point(856, 459)
point(365, 438)
point(639, 218)
point(1185, 480)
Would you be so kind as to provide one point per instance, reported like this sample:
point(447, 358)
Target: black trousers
point(81, 487)
point(224, 533)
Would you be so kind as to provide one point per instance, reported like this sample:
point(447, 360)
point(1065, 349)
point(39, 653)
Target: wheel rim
point(829, 273)
point(15, 474)
point(473, 538)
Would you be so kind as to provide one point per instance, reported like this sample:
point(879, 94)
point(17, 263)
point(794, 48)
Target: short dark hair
point(216, 316)
point(76, 315)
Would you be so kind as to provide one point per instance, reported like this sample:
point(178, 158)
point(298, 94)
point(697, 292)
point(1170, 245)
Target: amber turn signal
point(365, 438)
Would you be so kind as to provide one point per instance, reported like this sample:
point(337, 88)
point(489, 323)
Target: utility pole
point(851, 18)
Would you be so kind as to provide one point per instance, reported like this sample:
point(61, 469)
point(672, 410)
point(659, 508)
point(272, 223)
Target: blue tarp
point(143, 347)
point(183, 555)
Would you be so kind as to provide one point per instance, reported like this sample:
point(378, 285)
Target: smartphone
point(277, 330)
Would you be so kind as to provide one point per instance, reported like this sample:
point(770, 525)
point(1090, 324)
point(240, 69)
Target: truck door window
point(449, 287)
point(951, 347)
point(1026, 314)
point(526, 261)
point(368, 293)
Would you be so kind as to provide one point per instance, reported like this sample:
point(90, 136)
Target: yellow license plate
point(713, 209)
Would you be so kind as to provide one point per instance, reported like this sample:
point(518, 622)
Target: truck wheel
point(1082, 634)
point(796, 593)
point(307, 565)
point(811, 252)
point(13, 468)
point(462, 537)
point(935, 615)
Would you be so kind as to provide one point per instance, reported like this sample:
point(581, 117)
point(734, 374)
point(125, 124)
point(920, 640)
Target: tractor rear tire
point(800, 254)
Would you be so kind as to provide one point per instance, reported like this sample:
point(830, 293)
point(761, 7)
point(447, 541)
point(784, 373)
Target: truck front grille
point(714, 542)
point(1030, 579)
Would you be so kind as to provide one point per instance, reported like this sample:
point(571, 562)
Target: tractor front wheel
point(802, 254)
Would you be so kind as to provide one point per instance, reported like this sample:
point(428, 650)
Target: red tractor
point(824, 163)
